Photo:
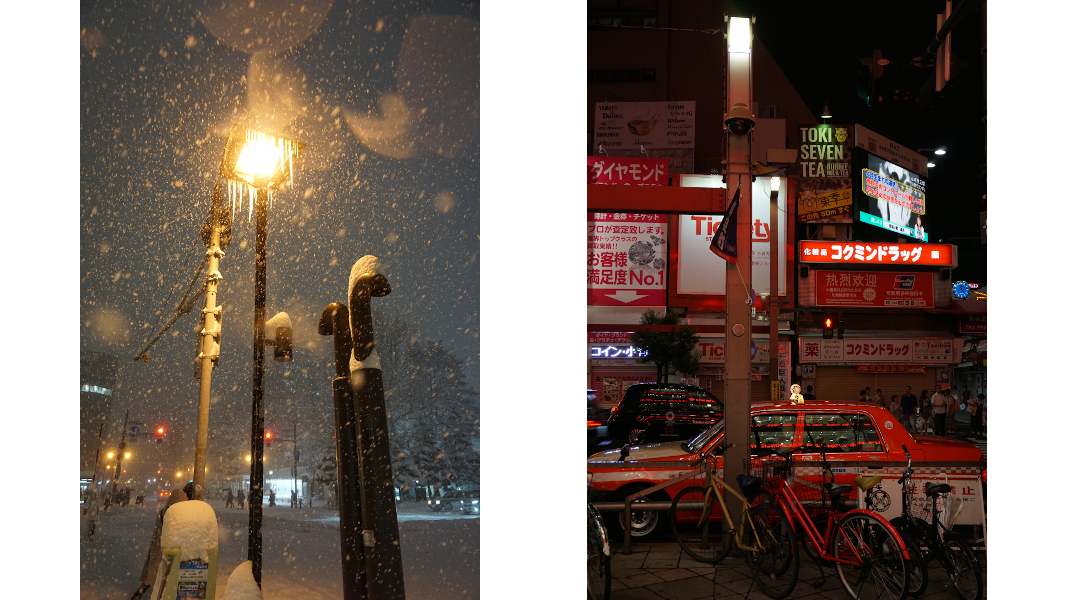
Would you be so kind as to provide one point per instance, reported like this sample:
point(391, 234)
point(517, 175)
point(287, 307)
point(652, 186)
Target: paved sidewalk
point(662, 571)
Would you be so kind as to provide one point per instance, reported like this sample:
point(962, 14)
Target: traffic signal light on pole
point(266, 438)
point(159, 434)
point(828, 328)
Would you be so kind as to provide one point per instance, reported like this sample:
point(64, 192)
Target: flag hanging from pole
point(724, 242)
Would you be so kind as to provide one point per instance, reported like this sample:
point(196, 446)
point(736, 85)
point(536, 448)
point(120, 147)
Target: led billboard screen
point(890, 197)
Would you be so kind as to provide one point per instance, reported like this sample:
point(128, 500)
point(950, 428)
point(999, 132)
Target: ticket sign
point(874, 253)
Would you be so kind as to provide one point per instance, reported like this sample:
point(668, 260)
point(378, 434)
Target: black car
point(654, 412)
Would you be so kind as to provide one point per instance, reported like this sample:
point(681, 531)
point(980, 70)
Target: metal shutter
point(844, 383)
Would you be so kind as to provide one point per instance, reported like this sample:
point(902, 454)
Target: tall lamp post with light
point(257, 164)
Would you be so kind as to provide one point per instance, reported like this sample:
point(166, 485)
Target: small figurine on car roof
point(795, 396)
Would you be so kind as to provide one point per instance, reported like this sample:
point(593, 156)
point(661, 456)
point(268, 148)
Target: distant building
point(99, 374)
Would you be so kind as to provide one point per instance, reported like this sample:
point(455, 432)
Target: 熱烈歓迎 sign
point(876, 350)
point(624, 170)
point(877, 253)
point(626, 260)
point(881, 289)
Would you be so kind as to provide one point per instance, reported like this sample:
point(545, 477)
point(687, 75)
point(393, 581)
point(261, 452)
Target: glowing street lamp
point(256, 164)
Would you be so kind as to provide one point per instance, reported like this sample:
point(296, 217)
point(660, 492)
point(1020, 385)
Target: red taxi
point(858, 437)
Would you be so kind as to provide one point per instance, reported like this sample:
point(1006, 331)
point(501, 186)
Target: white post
point(209, 343)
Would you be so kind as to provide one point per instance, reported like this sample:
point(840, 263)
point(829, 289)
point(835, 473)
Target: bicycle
point(598, 557)
point(869, 554)
point(947, 546)
point(875, 500)
point(765, 538)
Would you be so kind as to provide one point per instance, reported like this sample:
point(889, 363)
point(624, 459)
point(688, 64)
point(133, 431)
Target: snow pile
point(270, 328)
point(372, 362)
point(192, 526)
point(242, 585)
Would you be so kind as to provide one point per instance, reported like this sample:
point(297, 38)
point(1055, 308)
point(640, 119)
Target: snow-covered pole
point(385, 573)
point(334, 321)
point(210, 335)
point(255, 494)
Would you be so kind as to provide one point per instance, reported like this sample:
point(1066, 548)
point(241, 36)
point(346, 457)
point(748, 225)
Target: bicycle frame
point(793, 508)
point(714, 484)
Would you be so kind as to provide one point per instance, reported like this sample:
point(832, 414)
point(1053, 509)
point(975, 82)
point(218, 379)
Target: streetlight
point(940, 151)
point(256, 164)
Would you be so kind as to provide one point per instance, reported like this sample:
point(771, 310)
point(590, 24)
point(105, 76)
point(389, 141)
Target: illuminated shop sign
point(616, 352)
point(943, 255)
point(892, 197)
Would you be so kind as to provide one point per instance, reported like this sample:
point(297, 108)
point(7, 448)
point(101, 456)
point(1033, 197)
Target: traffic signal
point(828, 328)
point(863, 82)
point(159, 434)
point(266, 438)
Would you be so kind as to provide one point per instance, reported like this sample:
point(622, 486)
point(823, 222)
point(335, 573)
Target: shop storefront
point(839, 369)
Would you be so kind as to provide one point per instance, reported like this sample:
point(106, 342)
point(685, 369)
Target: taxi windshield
point(702, 438)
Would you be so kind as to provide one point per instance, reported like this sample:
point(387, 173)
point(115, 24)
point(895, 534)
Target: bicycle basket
point(773, 470)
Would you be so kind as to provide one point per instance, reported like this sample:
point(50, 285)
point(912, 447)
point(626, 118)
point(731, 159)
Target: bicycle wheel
point(876, 569)
point(598, 563)
point(962, 565)
point(917, 580)
point(705, 542)
point(776, 564)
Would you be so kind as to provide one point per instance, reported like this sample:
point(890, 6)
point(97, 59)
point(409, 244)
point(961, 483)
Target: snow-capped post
point(334, 321)
point(216, 235)
point(385, 573)
point(256, 165)
point(190, 548)
point(278, 332)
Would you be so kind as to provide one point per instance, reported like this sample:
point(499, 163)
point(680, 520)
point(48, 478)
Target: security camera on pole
point(739, 124)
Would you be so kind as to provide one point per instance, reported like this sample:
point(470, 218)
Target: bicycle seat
point(866, 483)
point(836, 489)
point(932, 489)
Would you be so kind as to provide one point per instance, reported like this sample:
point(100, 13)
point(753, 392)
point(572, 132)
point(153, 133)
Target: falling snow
point(161, 87)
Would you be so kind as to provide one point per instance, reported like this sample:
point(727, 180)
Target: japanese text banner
point(624, 170)
point(877, 253)
point(626, 263)
point(883, 289)
point(878, 350)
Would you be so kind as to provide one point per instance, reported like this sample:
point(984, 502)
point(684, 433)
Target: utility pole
point(216, 236)
point(772, 308)
point(738, 413)
point(118, 458)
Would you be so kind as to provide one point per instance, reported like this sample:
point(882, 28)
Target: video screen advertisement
point(889, 196)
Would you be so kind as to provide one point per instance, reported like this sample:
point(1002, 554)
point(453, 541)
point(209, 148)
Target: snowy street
point(300, 551)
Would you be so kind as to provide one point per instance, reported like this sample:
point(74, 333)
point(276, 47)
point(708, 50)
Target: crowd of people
point(934, 414)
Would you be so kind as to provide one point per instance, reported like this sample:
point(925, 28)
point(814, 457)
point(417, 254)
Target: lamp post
point(256, 164)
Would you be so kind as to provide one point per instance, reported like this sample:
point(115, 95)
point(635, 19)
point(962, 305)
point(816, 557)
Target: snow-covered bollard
point(242, 584)
point(190, 546)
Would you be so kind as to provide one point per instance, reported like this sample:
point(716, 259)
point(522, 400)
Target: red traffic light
point(268, 435)
point(828, 329)
point(160, 431)
point(829, 323)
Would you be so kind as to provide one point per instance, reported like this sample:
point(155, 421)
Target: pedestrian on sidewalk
point(292, 500)
point(880, 399)
point(272, 498)
point(952, 402)
point(938, 403)
point(894, 409)
point(924, 409)
point(229, 499)
point(863, 396)
point(908, 402)
point(241, 498)
point(809, 395)
point(976, 406)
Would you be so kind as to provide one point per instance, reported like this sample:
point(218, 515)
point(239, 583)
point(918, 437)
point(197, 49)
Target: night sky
point(160, 85)
point(818, 46)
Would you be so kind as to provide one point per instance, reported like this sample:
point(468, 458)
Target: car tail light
point(983, 476)
point(592, 423)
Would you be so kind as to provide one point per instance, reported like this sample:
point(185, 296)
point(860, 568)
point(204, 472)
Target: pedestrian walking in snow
point(229, 498)
point(272, 498)
point(240, 498)
point(292, 500)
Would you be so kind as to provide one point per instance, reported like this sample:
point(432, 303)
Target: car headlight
point(438, 501)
